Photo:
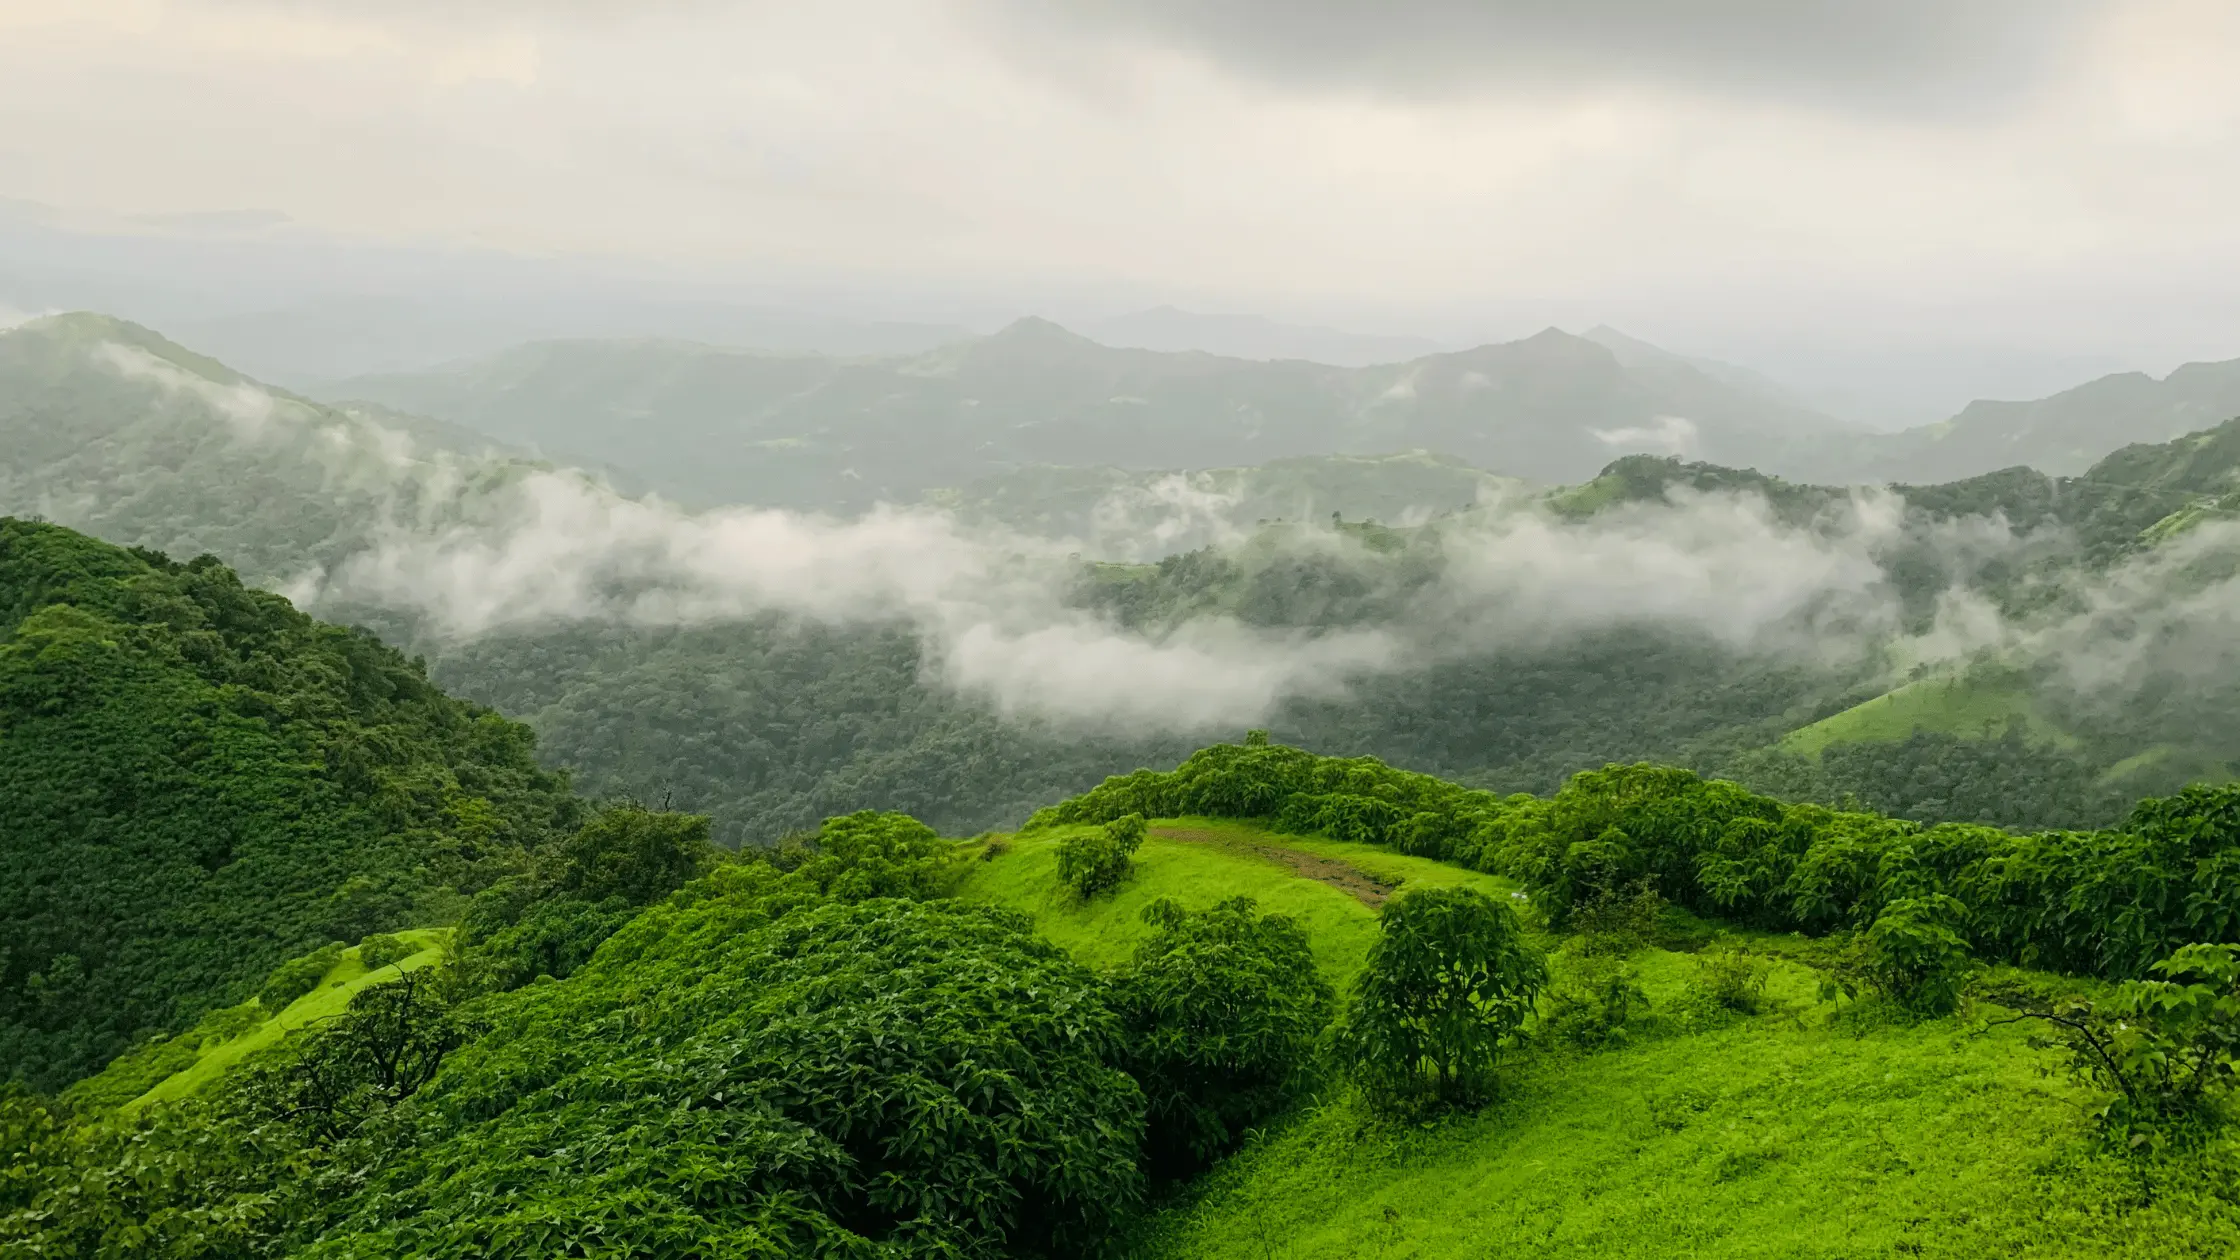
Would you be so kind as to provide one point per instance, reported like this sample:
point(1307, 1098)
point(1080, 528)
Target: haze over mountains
point(710, 424)
point(983, 640)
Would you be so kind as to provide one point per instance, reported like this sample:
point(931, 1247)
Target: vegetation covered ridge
point(200, 782)
point(2108, 903)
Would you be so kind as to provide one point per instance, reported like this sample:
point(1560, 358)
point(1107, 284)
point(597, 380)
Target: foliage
point(298, 976)
point(1450, 980)
point(633, 853)
point(1593, 1000)
point(1731, 979)
point(376, 952)
point(1221, 1009)
point(184, 1183)
point(2166, 1049)
point(330, 1078)
point(549, 921)
point(1914, 955)
point(1096, 859)
point(741, 1072)
point(195, 774)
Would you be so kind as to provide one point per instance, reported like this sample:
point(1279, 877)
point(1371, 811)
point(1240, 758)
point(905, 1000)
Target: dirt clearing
point(1350, 880)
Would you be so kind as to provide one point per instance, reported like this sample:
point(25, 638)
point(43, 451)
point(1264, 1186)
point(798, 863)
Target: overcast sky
point(2054, 175)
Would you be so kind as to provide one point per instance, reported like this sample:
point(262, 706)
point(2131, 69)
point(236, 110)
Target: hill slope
point(197, 781)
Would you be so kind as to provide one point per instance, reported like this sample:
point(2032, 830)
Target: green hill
point(197, 781)
point(877, 1042)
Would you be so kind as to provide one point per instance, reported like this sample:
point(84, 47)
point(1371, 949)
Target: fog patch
point(1664, 435)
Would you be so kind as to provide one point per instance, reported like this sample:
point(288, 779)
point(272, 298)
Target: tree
point(1096, 860)
point(1449, 981)
point(383, 1049)
point(1221, 1008)
point(635, 853)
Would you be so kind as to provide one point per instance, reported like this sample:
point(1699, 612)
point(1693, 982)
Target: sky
point(1802, 185)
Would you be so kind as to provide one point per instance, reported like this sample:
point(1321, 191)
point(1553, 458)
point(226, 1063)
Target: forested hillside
point(2016, 648)
point(1265, 998)
point(201, 782)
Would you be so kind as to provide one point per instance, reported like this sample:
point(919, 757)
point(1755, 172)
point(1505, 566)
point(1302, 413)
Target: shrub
point(1914, 955)
point(330, 1078)
point(1448, 982)
point(2164, 1048)
point(1222, 1008)
point(1095, 861)
point(1615, 920)
point(1594, 1001)
point(376, 952)
point(634, 853)
point(1730, 979)
point(298, 976)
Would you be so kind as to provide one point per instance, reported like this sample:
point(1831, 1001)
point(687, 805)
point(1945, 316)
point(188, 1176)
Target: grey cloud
point(1888, 53)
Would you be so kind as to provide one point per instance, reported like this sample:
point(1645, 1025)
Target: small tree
point(1222, 1008)
point(1095, 861)
point(331, 1077)
point(1449, 981)
point(1914, 954)
point(2166, 1049)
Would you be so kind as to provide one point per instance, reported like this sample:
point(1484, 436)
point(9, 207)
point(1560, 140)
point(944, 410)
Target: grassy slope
point(218, 1055)
point(1951, 706)
point(1788, 1134)
point(1104, 932)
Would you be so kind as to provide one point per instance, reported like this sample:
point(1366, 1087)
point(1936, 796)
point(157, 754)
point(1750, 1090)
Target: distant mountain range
point(710, 424)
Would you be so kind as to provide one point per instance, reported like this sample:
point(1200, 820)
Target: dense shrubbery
point(1222, 1008)
point(2108, 903)
point(298, 976)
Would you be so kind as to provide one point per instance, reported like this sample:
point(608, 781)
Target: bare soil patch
point(1351, 880)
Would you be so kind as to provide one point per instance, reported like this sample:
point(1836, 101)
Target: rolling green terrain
point(796, 1054)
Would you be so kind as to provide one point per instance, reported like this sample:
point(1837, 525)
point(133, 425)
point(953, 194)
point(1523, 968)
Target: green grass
point(335, 990)
point(1783, 1135)
point(1791, 1134)
point(1965, 706)
point(1104, 932)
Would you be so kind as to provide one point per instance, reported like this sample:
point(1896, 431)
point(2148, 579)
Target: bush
point(634, 853)
point(1914, 956)
point(1731, 980)
point(1222, 1008)
point(1095, 861)
point(741, 1075)
point(376, 952)
point(2165, 1048)
point(330, 1078)
point(1594, 1002)
point(298, 976)
point(1449, 981)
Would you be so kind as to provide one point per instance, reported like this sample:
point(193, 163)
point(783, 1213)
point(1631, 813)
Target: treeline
point(2107, 903)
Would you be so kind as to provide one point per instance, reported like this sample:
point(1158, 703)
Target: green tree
point(1448, 984)
point(1222, 1008)
point(1096, 860)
